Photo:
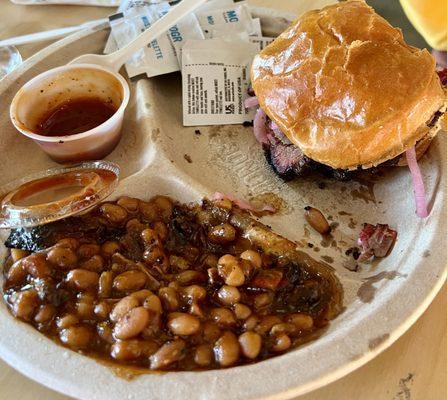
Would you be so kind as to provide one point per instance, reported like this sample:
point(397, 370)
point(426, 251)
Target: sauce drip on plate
point(75, 116)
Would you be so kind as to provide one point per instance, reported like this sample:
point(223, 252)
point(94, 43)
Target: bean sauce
point(75, 116)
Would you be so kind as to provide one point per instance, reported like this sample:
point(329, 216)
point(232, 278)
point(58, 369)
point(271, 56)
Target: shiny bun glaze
point(343, 85)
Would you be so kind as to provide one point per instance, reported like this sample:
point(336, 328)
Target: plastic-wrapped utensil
point(10, 59)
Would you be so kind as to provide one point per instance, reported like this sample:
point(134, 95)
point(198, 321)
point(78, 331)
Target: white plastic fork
point(115, 61)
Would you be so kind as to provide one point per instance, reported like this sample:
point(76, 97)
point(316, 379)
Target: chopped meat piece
point(376, 241)
point(267, 279)
point(443, 76)
point(287, 160)
point(435, 118)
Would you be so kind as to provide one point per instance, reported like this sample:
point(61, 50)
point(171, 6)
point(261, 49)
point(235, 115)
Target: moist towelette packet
point(237, 18)
point(215, 79)
point(162, 55)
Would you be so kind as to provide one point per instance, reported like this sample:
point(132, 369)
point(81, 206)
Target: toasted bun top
point(343, 85)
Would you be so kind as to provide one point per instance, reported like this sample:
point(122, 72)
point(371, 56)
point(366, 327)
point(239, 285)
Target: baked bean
point(190, 276)
point(168, 354)
point(251, 323)
point(85, 309)
point(154, 255)
point(82, 279)
point(105, 332)
point(169, 298)
point(129, 350)
point(24, 304)
point(37, 265)
point(114, 213)
point(205, 217)
point(88, 250)
point(303, 322)
point(229, 295)
point(191, 253)
point(316, 220)
point(283, 328)
point(63, 257)
point(16, 273)
point(129, 281)
point(241, 311)
point(86, 297)
point(253, 256)
point(211, 331)
point(149, 211)
point(281, 343)
point(150, 237)
point(267, 323)
point(164, 206)
point(203, 355)
point(123, 307)
point(213, 276)
point(18, 254)
point(109, 248)
point(95, 264)
point(141, 295)
point(162, 230)
point(102, 310)
point(154, 327)
point(132, 324)
point(66, 321)
point(250, 343)
point(230, 270)
point(175, 285)
point(153, 304)
point(129, 203)
point(222, 234)
point(196, 310)
point(183, 324)
point(45, 313)
point(247, 268)
point(263, 300)
point(226, 204)
point(135, 226)
point(71, 243)
point(178, 263)
point(223, 316)
point(105, 284)
point(76, 337)
point(226, 349)
point(210, 261)
point(194, 293)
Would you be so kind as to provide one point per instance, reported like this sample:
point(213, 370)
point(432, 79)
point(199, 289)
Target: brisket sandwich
point(340, 91)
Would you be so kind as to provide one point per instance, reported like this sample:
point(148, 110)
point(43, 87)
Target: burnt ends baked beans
point(161, 285)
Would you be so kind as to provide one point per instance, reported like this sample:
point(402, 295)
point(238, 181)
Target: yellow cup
point(429, 17)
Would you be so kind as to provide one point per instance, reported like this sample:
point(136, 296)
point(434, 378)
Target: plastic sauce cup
point(55, 87)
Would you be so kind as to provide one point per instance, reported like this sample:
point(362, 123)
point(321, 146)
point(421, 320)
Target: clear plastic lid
point(56, 193)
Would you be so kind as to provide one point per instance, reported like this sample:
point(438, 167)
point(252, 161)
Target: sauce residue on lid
point(75, 116)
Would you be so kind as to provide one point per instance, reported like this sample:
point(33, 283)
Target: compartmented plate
point(157, 155)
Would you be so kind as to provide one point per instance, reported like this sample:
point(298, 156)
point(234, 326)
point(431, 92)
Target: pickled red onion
point(273, 126)
point(242, 204)
point(418, 183)
point(260, 127)
point(251, 102)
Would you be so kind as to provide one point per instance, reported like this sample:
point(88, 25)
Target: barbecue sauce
point(75, 116)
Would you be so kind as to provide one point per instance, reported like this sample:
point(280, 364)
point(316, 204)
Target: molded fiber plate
point(159, 156)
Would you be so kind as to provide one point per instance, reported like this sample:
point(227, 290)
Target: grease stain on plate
point(373, 343)
point(367, 291)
